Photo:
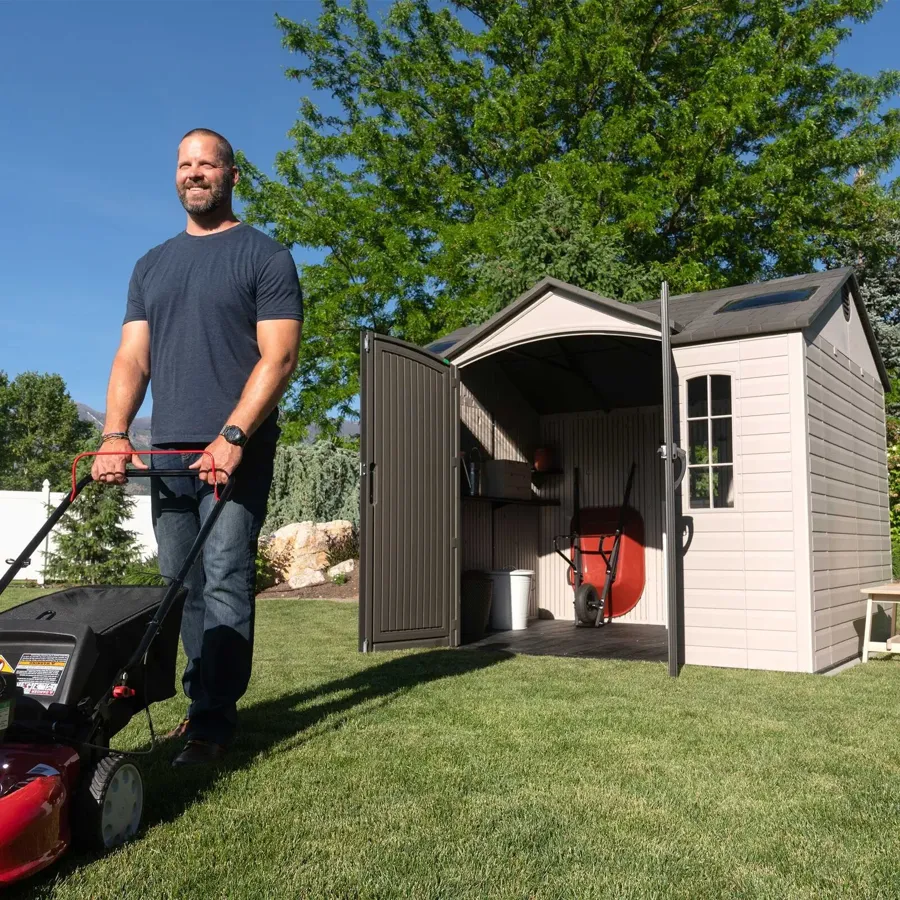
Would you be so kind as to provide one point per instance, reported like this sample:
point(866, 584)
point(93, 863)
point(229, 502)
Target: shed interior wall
point(498, 422)
point(603, 447)
point(501, 423)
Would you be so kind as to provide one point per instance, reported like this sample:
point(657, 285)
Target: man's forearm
point(127, 386)
point(263, 390)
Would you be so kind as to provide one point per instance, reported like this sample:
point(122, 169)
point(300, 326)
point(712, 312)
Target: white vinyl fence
point(23, 512)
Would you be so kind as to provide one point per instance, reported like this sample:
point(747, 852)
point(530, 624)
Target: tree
point(557, 238)
point(878, 271)
point(91, 546)
point(40, 431)
point(710, 142)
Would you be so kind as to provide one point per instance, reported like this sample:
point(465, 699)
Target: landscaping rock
point(344, 568)
point(302, 547)
point(307, 578)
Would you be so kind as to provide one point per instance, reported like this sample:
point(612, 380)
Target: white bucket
point(509, 606)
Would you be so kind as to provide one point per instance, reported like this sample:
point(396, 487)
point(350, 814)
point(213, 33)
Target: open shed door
point(409, 497)
point(673, 459)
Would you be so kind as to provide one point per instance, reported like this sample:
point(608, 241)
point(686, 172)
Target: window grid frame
point(709, 418)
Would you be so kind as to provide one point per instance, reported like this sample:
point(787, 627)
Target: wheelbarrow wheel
point(109, 804)
point(587, 604)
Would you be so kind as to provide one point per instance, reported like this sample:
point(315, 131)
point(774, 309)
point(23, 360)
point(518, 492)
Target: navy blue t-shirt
point(202, 297)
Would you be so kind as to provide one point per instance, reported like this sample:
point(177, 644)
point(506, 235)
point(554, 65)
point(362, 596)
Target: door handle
point(680, 454)
point(371, 484)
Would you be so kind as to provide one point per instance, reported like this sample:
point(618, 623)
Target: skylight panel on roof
point(778, 298)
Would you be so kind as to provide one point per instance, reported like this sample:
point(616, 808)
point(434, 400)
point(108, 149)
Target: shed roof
point(706, 320)
point(702, 317)
point(459, 340)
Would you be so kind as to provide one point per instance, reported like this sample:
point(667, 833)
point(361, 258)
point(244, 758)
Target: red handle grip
point(145, 453)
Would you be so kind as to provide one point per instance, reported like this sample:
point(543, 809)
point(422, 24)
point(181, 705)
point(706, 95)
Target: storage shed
point(774, 390)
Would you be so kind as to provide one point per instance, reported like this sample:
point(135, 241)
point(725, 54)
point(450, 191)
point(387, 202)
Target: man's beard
point(216, 197)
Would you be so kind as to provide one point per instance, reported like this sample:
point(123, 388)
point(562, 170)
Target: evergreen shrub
point(316, 482)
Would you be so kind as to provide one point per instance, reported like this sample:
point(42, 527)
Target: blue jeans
point(219, 611)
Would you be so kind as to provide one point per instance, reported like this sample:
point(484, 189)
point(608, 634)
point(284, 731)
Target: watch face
point(233, 435)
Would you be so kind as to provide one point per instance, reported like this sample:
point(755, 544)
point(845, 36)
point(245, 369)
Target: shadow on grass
point(285, 720)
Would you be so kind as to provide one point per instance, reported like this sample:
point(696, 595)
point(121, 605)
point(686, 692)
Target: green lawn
point(16, 594)
point(451, 774)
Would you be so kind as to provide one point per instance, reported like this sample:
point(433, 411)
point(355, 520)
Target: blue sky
point(95, 97)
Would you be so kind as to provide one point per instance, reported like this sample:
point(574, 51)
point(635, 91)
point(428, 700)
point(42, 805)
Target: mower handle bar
point(24, 558)
point(149, 472)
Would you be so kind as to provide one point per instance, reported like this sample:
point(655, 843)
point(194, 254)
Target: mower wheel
point(587, 604)
point(108, 807)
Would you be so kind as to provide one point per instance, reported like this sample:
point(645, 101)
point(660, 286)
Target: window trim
point(686, 420)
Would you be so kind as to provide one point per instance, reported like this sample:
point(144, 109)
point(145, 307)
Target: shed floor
point(555, 637)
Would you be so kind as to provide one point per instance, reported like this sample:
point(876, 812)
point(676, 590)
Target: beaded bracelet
point(113, 436)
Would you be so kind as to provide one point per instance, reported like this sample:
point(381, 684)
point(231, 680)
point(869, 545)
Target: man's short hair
point(226, 151)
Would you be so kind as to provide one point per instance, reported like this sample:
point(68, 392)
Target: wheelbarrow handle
point(556, 540)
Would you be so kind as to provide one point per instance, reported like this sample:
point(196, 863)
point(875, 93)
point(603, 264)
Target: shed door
point(409, 497)
point(673, 459)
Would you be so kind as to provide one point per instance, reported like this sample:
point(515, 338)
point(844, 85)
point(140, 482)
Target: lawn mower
point(75, 666)
point(606, 561)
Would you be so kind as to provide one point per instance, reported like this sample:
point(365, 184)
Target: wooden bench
point(883, 594)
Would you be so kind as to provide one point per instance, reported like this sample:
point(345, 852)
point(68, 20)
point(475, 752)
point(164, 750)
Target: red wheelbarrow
point(606, 561)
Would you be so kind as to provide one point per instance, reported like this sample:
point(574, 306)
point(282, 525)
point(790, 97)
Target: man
point(215, 315)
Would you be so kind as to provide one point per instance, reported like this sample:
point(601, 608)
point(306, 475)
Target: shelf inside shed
point(504, 501)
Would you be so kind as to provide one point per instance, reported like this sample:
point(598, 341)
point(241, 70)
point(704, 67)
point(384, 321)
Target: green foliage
point(40, 432)
point(893, 465)
point(878, 272)
point(91, 545)
point(340, 549)
point(557, 238)
point(711, 143)
point(313, 482)
point(340, 578)
point(266, 573)
point(144, 572)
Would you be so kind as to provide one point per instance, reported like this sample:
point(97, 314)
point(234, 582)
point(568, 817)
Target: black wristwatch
point(234, 435)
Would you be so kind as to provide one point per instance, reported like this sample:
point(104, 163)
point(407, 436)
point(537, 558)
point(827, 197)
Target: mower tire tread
point(87, 829)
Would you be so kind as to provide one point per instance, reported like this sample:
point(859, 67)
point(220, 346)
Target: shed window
point(711, 448)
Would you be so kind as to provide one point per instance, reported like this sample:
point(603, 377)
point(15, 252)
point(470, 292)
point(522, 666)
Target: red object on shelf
point(543, 459)
point(598, 523)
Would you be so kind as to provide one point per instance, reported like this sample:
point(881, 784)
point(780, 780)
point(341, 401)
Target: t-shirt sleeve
point(134, 308)
point(278, 293)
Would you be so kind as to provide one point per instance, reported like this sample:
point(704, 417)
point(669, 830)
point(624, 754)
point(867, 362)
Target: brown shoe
point(179, 731)
point(197, 752)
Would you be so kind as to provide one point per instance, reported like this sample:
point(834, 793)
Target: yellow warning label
point(5, 666)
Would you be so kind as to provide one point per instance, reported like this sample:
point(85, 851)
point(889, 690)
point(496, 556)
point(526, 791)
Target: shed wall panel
point(848, 460)
point(743, 598)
